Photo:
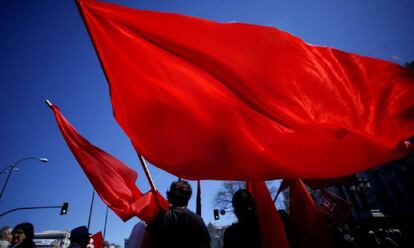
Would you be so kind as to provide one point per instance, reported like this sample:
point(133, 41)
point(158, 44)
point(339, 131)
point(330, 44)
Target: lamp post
point(9, 169)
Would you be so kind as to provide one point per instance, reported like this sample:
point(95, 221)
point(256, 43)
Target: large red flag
point(308, 228)
point(272, 231)
point(113, 180)
point(208, 100)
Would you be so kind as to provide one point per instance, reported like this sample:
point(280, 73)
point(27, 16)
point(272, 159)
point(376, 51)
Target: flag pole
point(91, 209)
point(149, 178)
point(198, 200)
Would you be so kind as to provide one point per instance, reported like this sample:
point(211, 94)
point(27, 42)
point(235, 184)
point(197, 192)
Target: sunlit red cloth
point(208, 100)
point(113, 180)
point(272, 231)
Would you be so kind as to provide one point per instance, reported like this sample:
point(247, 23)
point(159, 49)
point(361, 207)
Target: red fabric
point(272, 231)
point(208, 100)
point(96, 240)
point(307, 226)
point(329, 182)
point(113, 180)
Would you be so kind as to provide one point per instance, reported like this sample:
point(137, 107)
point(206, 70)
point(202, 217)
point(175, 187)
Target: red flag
point(96, 241)
point(272, 231)
point(112, 179)
point(208, 100)
point(307, 226)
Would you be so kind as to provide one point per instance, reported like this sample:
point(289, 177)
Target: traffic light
point(216, 214)
point(64, 208)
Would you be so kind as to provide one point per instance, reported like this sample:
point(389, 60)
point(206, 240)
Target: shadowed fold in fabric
point(308, 228)
point(272, 231)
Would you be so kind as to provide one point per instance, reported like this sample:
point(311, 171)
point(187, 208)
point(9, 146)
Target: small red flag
point(232, 101)
point(96, 241)
point(272, 231)
point(113, 180)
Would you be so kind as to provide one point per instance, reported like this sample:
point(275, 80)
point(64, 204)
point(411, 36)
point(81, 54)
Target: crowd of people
point(180, 227)
point(21, 236)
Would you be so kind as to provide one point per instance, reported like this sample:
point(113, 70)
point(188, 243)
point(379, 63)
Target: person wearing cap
point(79, 237)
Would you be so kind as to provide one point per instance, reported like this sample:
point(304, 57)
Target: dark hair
point(28, 231)
point(80, 235)
point(179, 193)
point(243, 204)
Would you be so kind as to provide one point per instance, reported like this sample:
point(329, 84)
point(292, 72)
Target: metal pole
point(90, 210)
point(7, 179)
point(198, 199)
point(12, 166)
point(106, 220)
point(25, 208)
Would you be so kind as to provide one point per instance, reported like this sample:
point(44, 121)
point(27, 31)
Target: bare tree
point(223, 197)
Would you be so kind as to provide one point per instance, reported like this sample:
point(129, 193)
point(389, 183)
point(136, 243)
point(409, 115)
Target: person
point(23, 234)
point(245, 232)
point(5, 237)
point(178, 226)
point(79, 237)
point(137, 235)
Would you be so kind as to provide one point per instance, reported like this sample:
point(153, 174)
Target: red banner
point(233, 101)
point(336, 208)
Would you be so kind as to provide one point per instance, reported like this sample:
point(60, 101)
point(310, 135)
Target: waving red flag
point(113, 180)
point(307, 226)
point(208, 100)
point(272, 231)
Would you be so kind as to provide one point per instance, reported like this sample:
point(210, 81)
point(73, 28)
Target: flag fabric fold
point(272, 231)
point(308, 228)
point(233, 101)
point(112, 179)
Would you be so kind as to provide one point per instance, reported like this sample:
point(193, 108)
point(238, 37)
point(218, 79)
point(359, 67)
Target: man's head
point(23, 232)
point(6, 233)
point(179, 193)
point(243, 204)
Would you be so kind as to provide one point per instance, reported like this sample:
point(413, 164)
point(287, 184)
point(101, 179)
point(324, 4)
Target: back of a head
point(243, 204)
point(80, 235)
point(179, 193)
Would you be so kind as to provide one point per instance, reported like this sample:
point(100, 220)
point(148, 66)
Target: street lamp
point(10, 168)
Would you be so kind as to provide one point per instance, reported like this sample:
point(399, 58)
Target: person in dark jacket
point(23, 235)
point(178, 227)
point(245, 233)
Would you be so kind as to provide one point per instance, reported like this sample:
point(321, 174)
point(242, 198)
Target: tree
point(222, 200)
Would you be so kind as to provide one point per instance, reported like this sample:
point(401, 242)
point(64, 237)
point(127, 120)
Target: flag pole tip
point(48, 103)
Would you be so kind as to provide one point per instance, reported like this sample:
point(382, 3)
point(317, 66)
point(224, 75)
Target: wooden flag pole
point(149, 178)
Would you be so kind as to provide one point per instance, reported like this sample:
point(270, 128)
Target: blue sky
point(45, 52)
